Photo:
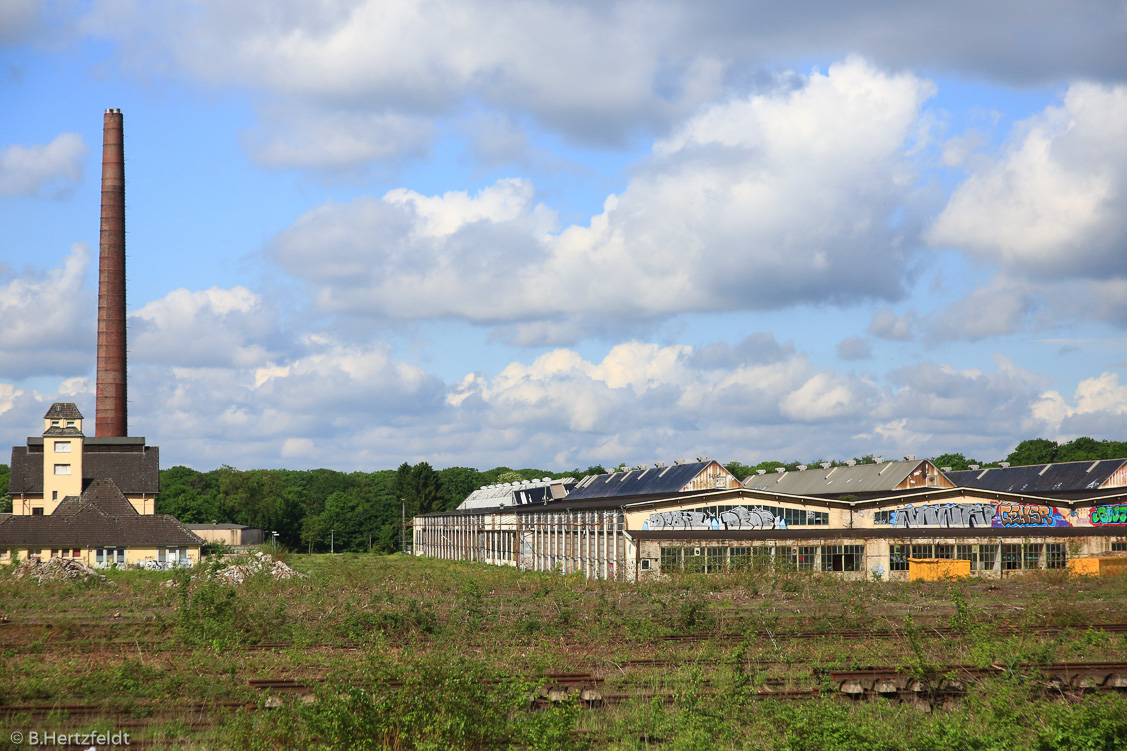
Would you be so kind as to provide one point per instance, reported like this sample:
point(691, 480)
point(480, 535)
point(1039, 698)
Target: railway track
point(165, 645)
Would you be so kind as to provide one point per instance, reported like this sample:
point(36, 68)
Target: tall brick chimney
point(110, 398)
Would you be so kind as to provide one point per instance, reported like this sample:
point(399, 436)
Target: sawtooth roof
point(97, 519)
point(1063, 477)
point(519, 494)
point(860, 478)
point(669, 479)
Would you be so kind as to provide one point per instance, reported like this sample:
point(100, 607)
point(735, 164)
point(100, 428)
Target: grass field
point(405, 653)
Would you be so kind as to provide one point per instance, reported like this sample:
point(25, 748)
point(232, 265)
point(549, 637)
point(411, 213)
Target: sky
point(554, 234)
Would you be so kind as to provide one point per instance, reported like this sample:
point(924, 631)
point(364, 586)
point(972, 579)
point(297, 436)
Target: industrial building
point(94, 498)
point(862, 521)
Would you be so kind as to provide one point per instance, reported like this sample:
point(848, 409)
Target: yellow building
point(102, 528)
point(63, 461)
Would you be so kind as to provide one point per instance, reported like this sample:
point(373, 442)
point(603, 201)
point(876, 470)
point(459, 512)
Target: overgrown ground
point(419, 654)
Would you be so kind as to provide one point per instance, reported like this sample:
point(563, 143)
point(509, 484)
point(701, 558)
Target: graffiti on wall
point(736, 517)
point(1108, 515)
point(977, 515)
point(943, 515)
point(1022, 515)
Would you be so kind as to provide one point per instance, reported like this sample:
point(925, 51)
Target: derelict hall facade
point(633, 536)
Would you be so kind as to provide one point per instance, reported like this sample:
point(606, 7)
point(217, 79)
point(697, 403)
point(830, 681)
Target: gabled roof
point(675, 478)
point(837, 481)
point(102, 493)
point(101, 517)
point(1064, 477)
point(63, 411)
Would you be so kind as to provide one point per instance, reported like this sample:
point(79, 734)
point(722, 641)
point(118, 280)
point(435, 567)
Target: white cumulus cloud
point(51, 168)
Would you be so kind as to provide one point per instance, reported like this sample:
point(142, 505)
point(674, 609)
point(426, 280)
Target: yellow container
point(1083, 566)
point(937, 569)
point(1097, 566)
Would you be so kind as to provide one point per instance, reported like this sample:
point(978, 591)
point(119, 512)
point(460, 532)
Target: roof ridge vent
point(1043, 471)
point(780, 470)
point(851, 462)
point(1004, 465)
point(643, 466)
point(760, 471)
point(973, 466)
point(702, 458)
point(944, 470)
point(825, 465)
point(680, 461)
point(909, 457)
point(659, 465)
point(878, 460)
point(802, 467)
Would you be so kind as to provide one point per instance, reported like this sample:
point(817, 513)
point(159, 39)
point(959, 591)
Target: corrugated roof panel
point(1063, 477)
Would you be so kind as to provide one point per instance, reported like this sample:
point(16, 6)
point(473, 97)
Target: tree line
point(317, 509)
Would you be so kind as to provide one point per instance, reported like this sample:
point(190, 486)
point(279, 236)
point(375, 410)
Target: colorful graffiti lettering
point(1104, 515)
point(979, 515)
point(1022, 515)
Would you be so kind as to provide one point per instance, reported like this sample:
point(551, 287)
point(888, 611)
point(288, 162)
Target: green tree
point(741, 471)
point(956, 462)
point(1086, 449)
point(457, 483)
point(5, 499)
point(1033, 451)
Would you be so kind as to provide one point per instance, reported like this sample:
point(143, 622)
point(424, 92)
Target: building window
point(37, 511)
point(1033, 556)
point(714, 558)
point(945, 551)
point(1011, 557)
point(62, 447)
point(882, 517)
point(645, 564)
point(670, 560)
point(739, 559)
point(62, 469)
point(1055, 555)
point(897, 557)
point(921, 551)
point(1119, 547)
point(807, 557)
point(987, 557)
point(70, 423)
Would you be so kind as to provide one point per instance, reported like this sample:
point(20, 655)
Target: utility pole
point(332, 541)
point(403, 528)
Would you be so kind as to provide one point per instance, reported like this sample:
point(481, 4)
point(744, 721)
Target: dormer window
point(70, 423)
point(54, 423)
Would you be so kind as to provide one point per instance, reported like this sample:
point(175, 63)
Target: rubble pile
point(256, 564)
point(56, 569)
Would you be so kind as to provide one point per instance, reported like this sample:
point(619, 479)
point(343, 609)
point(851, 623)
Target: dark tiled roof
point(63, 411)
point(132, 471)
point(57, 432)
point(670, 479)
point(99, 519)
point(1066, 477)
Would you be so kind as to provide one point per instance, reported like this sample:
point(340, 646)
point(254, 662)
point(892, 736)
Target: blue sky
point(555, 234)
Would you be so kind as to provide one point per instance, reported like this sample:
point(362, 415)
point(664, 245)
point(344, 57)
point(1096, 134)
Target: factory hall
point(856, 520)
